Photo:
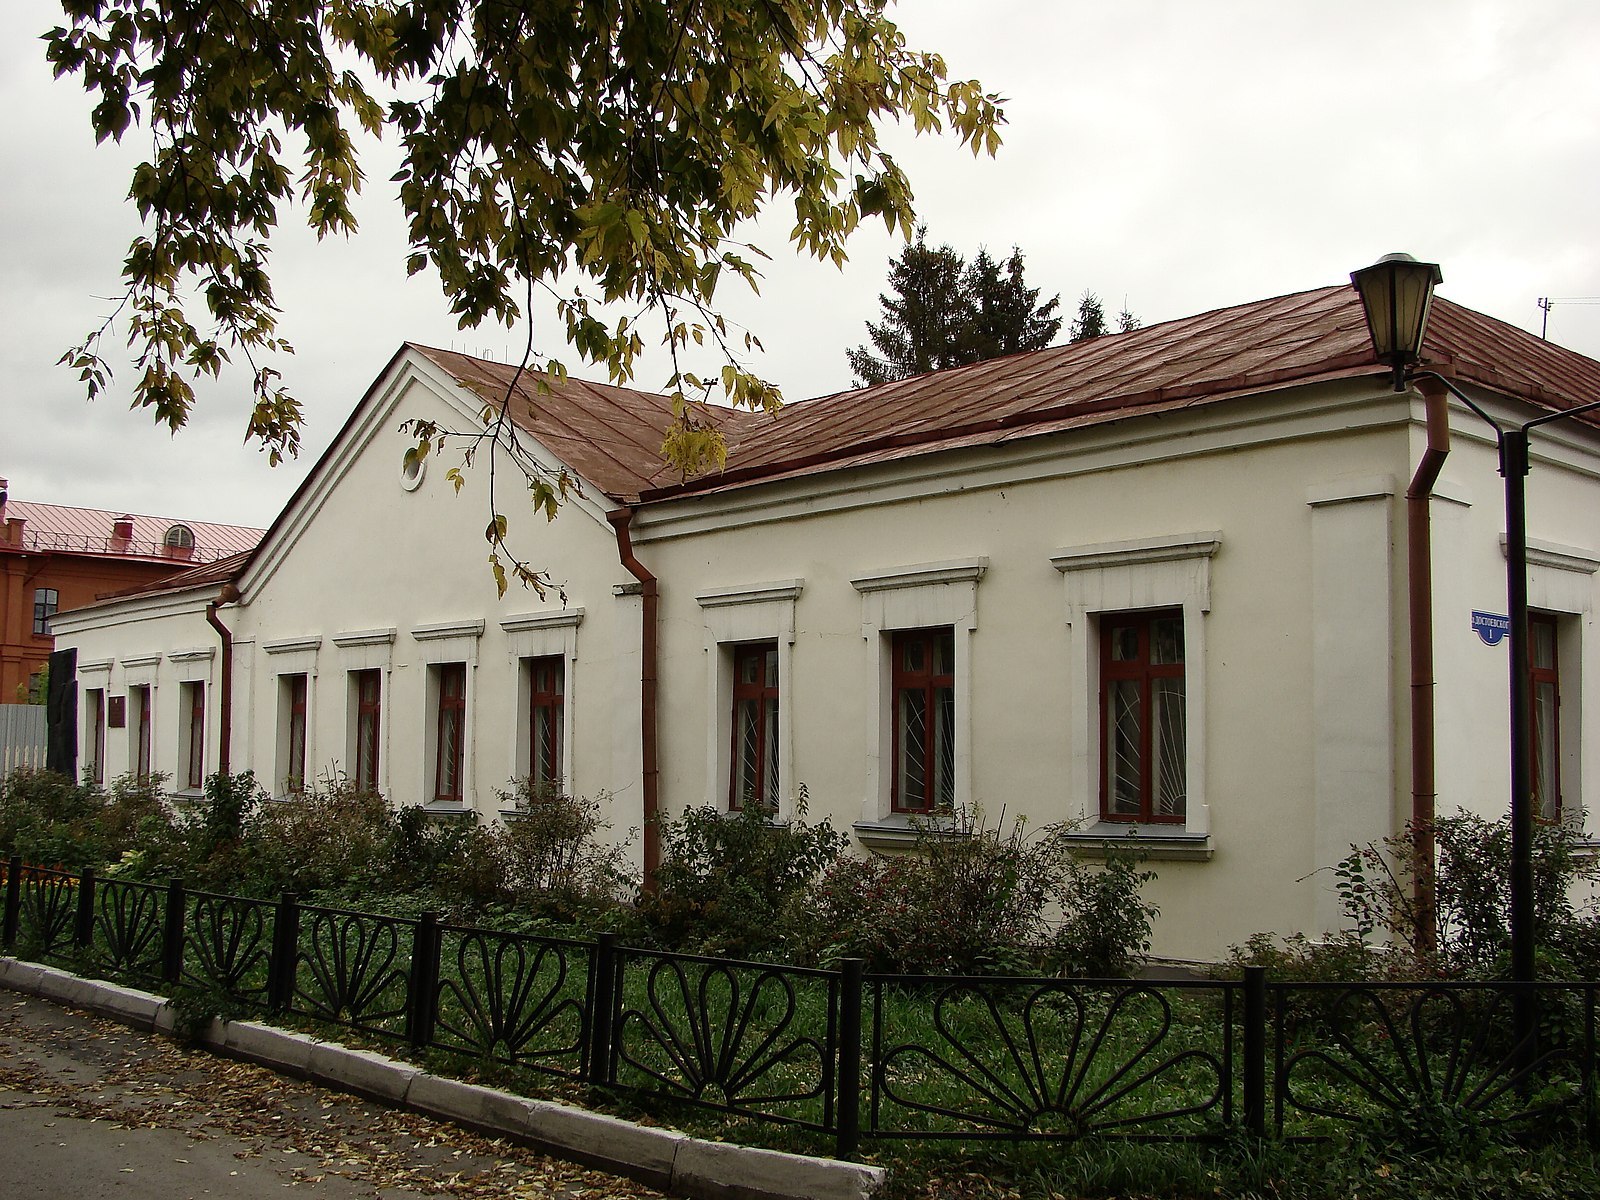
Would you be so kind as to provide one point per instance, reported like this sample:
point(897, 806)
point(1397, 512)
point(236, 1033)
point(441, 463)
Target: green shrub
point(730, 883)
point(976, 900)
point(548, 861)
point(1472, 889)
point(334, 835)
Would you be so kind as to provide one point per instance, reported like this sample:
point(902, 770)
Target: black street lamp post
point(1396, 293)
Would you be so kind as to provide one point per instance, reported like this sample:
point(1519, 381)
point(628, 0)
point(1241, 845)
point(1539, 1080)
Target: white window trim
point(280, 707)
point(543, 635)
point(920, 596)
point(1173, 571)
point(368, 650)
point(760, 612)
point(430, 739)
point(180, 775)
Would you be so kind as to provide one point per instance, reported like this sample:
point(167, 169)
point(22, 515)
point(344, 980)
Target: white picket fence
point(22, 737)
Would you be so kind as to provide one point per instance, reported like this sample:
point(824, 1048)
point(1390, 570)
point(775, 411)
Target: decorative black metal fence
point(853, 1055)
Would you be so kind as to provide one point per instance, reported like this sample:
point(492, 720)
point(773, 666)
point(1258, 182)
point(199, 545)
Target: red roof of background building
point(64, 529)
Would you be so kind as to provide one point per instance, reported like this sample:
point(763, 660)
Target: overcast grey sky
point(1171, 154)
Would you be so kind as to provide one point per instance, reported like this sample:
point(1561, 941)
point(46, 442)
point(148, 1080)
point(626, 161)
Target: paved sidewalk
point(90, 1109)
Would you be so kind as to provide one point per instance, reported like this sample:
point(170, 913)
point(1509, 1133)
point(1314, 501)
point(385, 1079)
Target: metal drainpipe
point(1419, 541)
point(647, 693)
point(228, 595)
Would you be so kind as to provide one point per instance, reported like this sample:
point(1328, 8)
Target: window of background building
point(1544, 692)
point(923, 678)
point(1143, 727)
point(45, 602)
point(450, 732)
point(546, 721)
point(754, 761)
point(367, 687)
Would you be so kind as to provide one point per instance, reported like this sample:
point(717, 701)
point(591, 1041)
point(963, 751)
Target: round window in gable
point(412, 469)
point(178, 537)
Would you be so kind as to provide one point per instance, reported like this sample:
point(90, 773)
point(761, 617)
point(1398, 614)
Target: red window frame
point(196, 774)
point(95, 702)
point(295, 760)
point(449, 733)
point(753, 777)
point(547, 685)
point(1144, 672)
point(937, 690)
point(141, 744)
point(369, 724)
point(1546, 806)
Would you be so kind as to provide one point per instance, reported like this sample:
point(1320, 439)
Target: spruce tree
point(922, 320)
point(945, 312)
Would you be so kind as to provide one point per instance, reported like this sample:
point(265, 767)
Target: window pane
point(1542, 647)
point(1168, 745)
point(944, 643)
point(546, 740)
point(747, 747)
point(912, 767)
point(1125, 643)
point(944, 745)
point(913, 654)
point(1546, 770)
point(1166, 640)
point(1124, 759)
point(769, 789)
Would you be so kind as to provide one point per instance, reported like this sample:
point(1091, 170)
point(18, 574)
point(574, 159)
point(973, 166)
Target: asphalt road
point(90, 1109)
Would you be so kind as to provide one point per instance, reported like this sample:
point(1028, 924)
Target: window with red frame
point(368, 686)
point(294, 756)
point(547, 687)
point(450, 733)
point(94, 704)
point(753, 778)
point(923, 677)
point(1143, 738)
point(1544, 693)
point(194, 696)
point(141, 732)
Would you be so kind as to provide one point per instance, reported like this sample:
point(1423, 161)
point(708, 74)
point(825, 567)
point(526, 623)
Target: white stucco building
point(1155, 584)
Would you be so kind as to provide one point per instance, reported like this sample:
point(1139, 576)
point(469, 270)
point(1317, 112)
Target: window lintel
point(292, 645)
point(365, 637)
point(448, 629)
point(1137, 551)
point(960, 570)
point(757, 593)
point(532, 622)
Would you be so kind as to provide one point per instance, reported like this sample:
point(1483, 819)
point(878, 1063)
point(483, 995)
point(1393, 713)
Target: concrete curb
point(662, 1158)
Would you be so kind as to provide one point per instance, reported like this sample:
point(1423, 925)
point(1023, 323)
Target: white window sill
point(446, 810)
point(1156, 842)
point(903, 830)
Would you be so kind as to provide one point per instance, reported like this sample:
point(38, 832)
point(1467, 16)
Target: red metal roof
point(62, 528)
point(613, 435)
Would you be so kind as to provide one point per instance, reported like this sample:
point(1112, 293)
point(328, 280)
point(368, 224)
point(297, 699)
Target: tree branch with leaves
point(618, 143)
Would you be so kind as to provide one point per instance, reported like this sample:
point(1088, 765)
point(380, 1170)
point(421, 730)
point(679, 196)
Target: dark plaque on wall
point(117, 712)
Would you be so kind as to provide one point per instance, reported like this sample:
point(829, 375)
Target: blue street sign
point(1491, 627)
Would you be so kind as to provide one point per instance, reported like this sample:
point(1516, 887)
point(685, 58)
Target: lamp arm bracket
point(1471, 404)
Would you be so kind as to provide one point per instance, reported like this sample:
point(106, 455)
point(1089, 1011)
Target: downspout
point(1419, 542)
point(647, 693)
point(228, 595)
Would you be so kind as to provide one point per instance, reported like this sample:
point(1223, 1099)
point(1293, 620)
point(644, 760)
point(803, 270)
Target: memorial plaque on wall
point(117, 712)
